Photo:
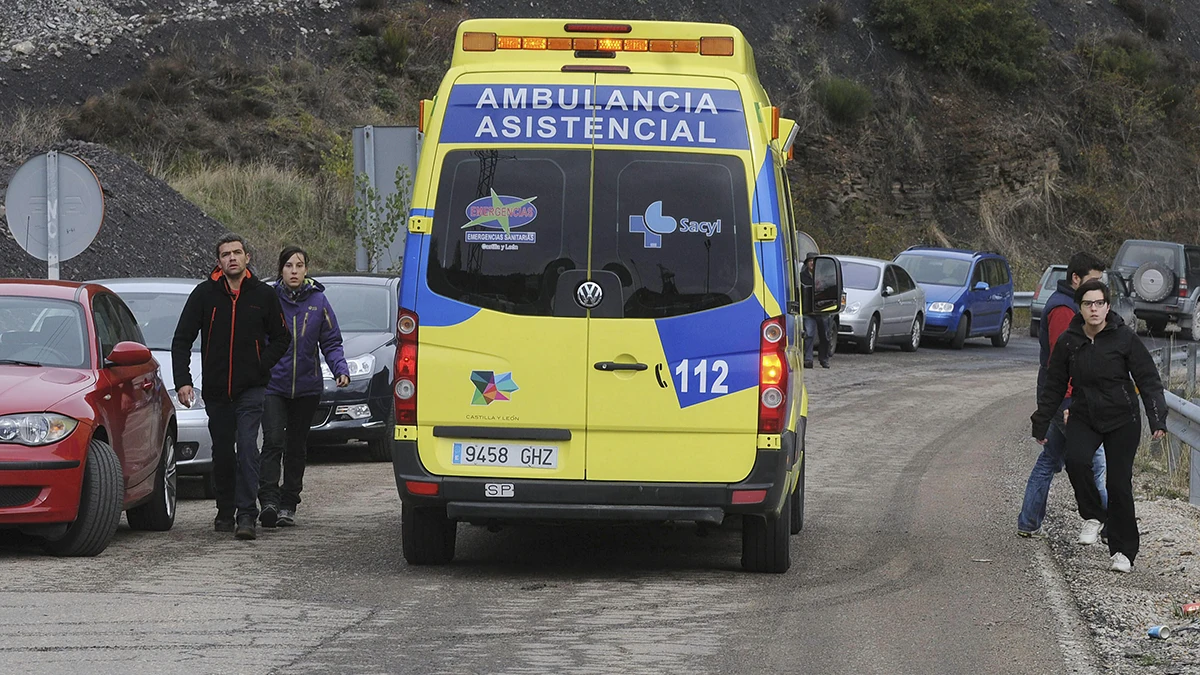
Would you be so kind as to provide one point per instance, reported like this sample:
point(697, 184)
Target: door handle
point(612, 366)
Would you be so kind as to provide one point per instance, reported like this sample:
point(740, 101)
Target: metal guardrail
point(1022, 299)
point(1183, 425)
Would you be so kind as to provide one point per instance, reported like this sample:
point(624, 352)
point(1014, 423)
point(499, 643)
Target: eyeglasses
point(1093, 303)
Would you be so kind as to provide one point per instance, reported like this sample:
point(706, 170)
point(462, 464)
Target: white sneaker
point(1090, 533)
point(1120, 563)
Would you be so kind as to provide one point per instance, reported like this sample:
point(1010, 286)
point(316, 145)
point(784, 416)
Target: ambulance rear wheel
point(766, 541)
point(426, 535)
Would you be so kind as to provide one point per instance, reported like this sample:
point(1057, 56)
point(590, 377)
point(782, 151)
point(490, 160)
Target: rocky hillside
point(1098, 143)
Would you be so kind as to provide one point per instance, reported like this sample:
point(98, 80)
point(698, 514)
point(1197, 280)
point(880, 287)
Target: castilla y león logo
point(490, 387)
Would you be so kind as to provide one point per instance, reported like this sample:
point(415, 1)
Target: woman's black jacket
point(1099, 373)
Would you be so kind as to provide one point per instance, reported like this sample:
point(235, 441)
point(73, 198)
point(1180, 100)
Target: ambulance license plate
point(506, 454)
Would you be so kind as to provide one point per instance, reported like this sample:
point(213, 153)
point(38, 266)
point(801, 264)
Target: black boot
point(223, 522)
point(245, 527)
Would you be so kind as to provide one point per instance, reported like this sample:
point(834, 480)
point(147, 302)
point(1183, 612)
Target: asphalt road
point(907, 564)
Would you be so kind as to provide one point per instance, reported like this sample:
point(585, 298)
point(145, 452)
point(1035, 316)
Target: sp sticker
point(498, 490)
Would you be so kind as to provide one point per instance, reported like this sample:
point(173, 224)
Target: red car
point(87, 429)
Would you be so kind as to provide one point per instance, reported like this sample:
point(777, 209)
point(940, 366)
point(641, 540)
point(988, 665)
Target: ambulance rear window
point(675, 228)
point(507, 223)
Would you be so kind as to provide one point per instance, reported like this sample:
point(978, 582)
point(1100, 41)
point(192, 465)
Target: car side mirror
point(825, 296)
point(129, 354)
point(981, 286)
point(888, 290)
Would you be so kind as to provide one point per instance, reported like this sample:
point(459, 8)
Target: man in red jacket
point(242, 335)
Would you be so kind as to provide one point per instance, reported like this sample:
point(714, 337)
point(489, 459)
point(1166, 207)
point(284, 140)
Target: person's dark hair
point(1089, 286)
point(1081, 263)
point(229, 239)
point(286, 255)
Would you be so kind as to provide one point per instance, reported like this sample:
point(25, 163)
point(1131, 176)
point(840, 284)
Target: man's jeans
point(286, 422)
point(235, 471)
point(1050, 462)
point(816, 329)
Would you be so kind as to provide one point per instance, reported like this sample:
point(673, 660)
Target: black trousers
point(1120, 447)
point(286, 422)
point(234, 426)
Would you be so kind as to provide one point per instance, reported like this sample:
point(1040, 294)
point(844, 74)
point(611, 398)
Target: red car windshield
point(42, 332)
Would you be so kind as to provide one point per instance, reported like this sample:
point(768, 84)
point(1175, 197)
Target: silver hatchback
point(883, 304)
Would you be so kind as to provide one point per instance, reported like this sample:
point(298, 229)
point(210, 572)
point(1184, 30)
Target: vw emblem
point(589, 295)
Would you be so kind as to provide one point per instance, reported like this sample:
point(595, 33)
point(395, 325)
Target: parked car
point(366, 308)
point(1122, 301)
point(1165, 279)
point(968, 293)
point(883, 303)
point(157, 304)
point(87, 429)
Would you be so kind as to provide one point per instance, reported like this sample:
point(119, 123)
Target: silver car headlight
point(197, 404)
point(361, 367)
point(36, 428)
point(942, 307)
point(852, 308)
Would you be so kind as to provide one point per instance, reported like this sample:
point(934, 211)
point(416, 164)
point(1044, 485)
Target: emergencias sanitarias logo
point(490, 387)
point(499, 215)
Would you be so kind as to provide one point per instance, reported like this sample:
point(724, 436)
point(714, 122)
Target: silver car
point(883, 304)
point(156, 304)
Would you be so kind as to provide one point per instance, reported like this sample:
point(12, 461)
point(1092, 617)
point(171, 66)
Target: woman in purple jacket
point(295, 387)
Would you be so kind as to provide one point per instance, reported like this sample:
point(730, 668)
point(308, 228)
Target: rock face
point(149, 229)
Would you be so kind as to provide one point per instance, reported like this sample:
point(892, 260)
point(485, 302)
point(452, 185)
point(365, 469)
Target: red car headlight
point(36, 428)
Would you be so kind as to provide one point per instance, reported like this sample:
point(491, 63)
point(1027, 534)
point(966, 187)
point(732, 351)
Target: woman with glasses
point(1098, 354)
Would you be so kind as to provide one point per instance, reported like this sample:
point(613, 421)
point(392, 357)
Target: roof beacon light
point(479, 42)
point(598, 28)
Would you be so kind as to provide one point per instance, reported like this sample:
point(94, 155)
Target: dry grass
point(274, 207)
point(31, 130)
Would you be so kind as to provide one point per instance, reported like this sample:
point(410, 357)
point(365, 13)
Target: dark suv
point(1165, 277)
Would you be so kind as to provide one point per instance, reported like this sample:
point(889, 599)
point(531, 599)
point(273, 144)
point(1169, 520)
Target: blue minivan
point(967, 293)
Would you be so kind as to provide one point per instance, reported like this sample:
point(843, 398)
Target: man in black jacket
point(1097, 354)
point(242, 336)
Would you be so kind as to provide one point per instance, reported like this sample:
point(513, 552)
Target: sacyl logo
point(589, 295)
point(653, 225)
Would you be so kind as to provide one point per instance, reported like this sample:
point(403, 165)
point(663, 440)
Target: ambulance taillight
point(405, 388)
point(772, 377)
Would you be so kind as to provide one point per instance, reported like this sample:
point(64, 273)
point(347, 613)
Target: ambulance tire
point(426, 535)
point(766, 541)
point(797, 518)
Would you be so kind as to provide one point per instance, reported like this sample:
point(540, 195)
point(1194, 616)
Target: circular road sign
point(80, 206)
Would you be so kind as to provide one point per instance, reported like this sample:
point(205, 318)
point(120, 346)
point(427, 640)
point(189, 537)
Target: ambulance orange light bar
point(421, 116)
point(490, 42)
point(716, 46)
point(479, 42)
point(774, 122)
point(598, 28)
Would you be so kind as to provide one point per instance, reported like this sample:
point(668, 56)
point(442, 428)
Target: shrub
point(998, 41)
point(845, 101)
point(1155, 20)
point(1122, 55)
point(828, 15)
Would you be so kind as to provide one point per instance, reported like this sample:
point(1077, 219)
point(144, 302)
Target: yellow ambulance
point(600, 311)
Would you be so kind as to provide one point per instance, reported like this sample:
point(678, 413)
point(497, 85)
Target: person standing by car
point(816, 326)
point(242, 335)
point(295, 387)
point(1060, 309)
point(1096, 356)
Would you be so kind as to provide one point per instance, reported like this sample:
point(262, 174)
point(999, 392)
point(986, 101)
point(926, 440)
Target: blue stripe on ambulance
point(705, 336)
point(765, 209)
point(434, 310)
